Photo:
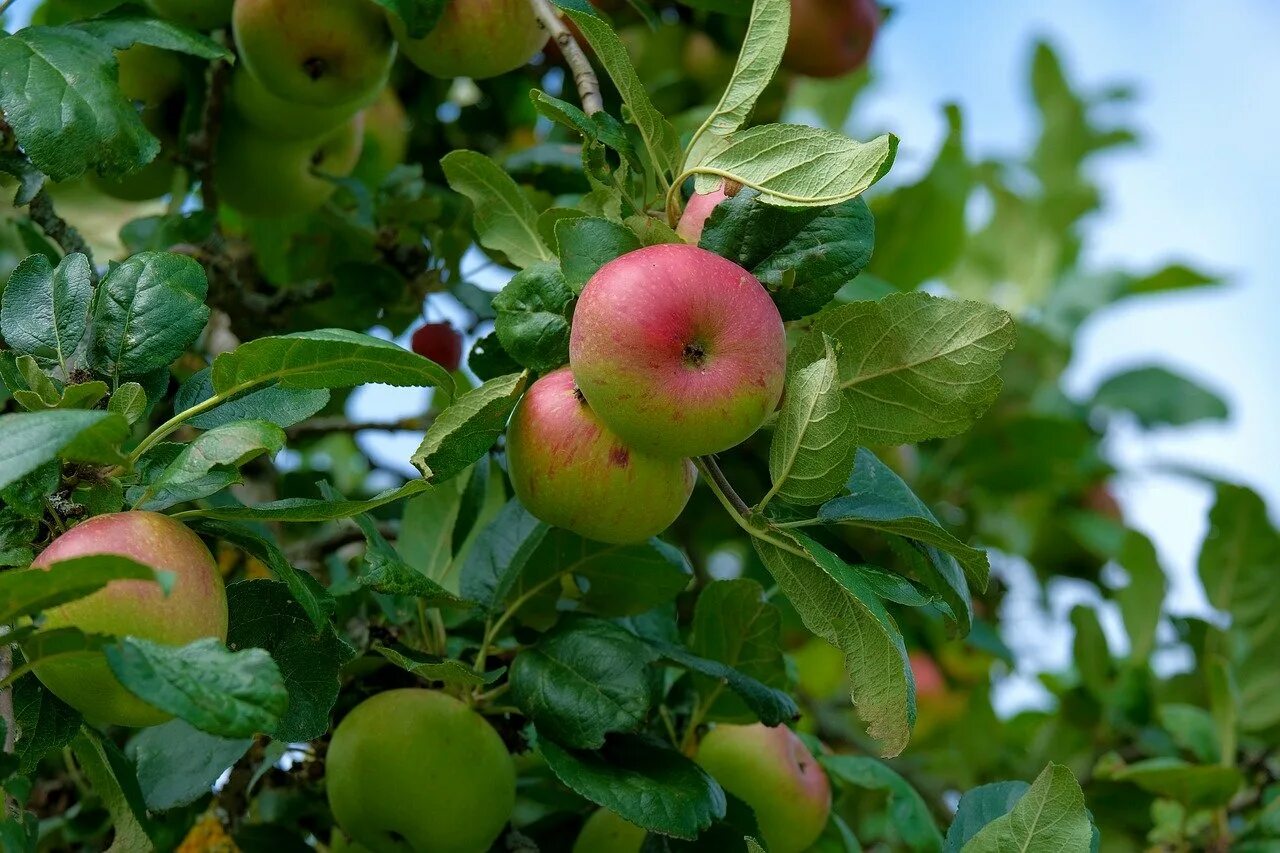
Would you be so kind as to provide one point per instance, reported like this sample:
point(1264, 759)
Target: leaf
point(45, 311)
point(122, 31)
point(387, 573)
point(587, 243)
point(467, 429)
point(769, 705)
point(324, 358)
point(186, 478)
point(1193, 729)
point(644, 781)
point(734, 624)
point(1158, 397)
point(1196, 786)
point(265, 616)
point(306, 509)
point(30, 181)
point(907, 811)
point(30, 591)
point(583, 680)
point(113, 780)
point(1172, 277)
point(129, 402)
point(534, 311)
point(283, 407)
point(978, 807)
point(615, 580)
point(178, 764)
point(418, 16)
point(500, 555)
point(814, 438)
point(505, 220)
point(224, 693)
point(45, 722)
point(1140, 602)
point(835, 603)
point(1050, 816)
point(918, 367)
point(31, 439)
point(430, 667)
point(1089, 650)
point(58, 92)
point(600, 128)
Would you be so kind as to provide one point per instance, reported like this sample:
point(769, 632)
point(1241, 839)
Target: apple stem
point(584, 76)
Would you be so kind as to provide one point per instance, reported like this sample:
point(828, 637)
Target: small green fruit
point(475, 38)
point(197, 14)
point(607, 832)
point(280, 118)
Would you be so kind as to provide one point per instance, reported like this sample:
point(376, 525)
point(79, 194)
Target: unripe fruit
point(830, 38)
point(771, 770)
point(261, 176)
point(386, 137)
point(280, 118)
point(417, 769)
point(197, 14)
point(679, 351)
point(152, 180)
point(196, 607)
point(607, 832)
point(571, 472)
point(148, 74)
point(439, 342)
point(475, 38)
point(324, 54)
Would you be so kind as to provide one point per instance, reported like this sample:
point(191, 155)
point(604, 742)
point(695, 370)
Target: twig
point(713, 471)
point(203, 144)
point(6, 699)
point(68, 238)
point(4, 6)
point(584, 76)
point(341, 424)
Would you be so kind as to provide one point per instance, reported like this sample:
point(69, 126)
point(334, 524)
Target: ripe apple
point(679, 351)
point(281, 118)
point(439, 342)
point(607, 832)
point(698, 210)
point(197, 14)
point(475, 38)
point(323, 54)
point(196, 607)
point(771, 770)
point(386, 137)
point(261, 176)
point(830, 38)
point(417, 769)
point(572, 472)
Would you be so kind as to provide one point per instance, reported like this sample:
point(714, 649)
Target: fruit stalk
point(584, 76)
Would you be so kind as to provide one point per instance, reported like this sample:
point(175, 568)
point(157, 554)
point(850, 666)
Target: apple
point(198, 14)
point(439, 342)
point(572, 472)
point(386, 137)
point(679, 351)
point(195, 607)
point(323, 54)
point(607, 832)
point(261, 176)
point(281, 118)
point(417, 769)
point(830, 38)
point(475, 38)
point(698, 210)
point(148, 74)
point(771, 770)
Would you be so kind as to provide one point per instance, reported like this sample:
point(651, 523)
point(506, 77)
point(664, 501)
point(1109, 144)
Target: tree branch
point(341, 424)
point(713, 471)
point(68, 238)
point(584, 76)
point(202, 145)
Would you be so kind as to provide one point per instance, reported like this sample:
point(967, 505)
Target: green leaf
point(178, 764)
point(814, 438)
point(324, 358)
point(583, 680)
point(306, 509)
point(644, 781)
point(615, 580)
point(587, 243)
point(1196, 786)
point(1193, 729)
point(802, 255)
point(733, 624)
point(45, 311)
point(601, 128)
point(907, 811)
point(29, 591)
point(769, 705)
point(1089, 650)
point(265, 616)
point(1051, 815)
point(1158, 397)
point(501, 554)
point(419, 16)
point(30, 181)
point(1172, 277)
point(283, 407)
point(1140, 602)
point(835, 603)
point(45, 722)
point(125, 30)
point(29, 440)
point(129, 402)
point(468, 428)
point(534, 311)
point(224, 693)
point(186, 478)
point(387, 573)
point(58, 92)
point(430, 667)
point(978, 807)
point(918, 367)
point(146, 311)
point(505, 220)
point(113, 780)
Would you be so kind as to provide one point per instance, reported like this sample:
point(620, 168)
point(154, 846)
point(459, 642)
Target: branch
point(712, 469)
point(341, 424)
point(203, 144)
point(584, 76)
point(68, 239)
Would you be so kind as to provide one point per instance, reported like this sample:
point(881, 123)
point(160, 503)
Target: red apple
point(439, 342)
point(679, 351)
point(830, 38)
point(475, 38)
point(697, 212)
point(771, 770)
point(196, 607)
point(570, 471)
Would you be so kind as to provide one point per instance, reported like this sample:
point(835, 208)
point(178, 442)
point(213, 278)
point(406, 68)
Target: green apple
point(266, 177)
point(679, 351)
point(572, 472)
point(475, 38)
point(386, 137)
point(323, 54)
point(196, 607)
point(148, 74)
point(416, 769)
point(771, 770)
point(607, 832)
point(280, 118)
point(197, 14)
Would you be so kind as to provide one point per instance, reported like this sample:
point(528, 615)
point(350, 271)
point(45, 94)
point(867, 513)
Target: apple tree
point(728, 450)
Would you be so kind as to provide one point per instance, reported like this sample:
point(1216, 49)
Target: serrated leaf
point(587, 243)
point(978, 807)
point(452, 672)
point(45, 311)
point(601, 128)
point(918, 366)
point(29, 591)
point(186, 478)
point(534, 313)
point(178, 764)
point(31, 439)
point(733, 624)
point(122, 31)
point(113, 780)
point(616, 580)
point(468, 428)
point(45, 723)
point(505, 220)
point(306, 509)
point(283, 407)
point(1159, 397)
point(129, 402)
point(907, 810)
point(769, 705)
point(1051, 815)
point(500, 554)
point(387, 573)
